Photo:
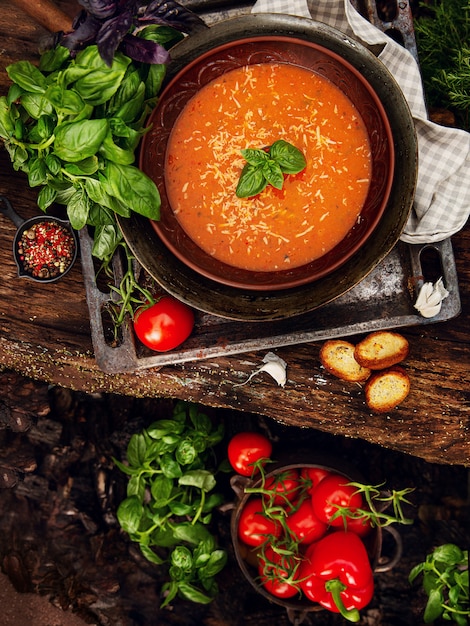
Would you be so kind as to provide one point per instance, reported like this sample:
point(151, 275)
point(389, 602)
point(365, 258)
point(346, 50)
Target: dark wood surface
point(45, 335)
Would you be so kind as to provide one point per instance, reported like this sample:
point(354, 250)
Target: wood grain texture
point(45, 335)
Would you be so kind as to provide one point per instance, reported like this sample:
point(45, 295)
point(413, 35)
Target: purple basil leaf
point(83, 34)
point(144, 50)
point(171, 13)
point(102, 9)
point(111, 34)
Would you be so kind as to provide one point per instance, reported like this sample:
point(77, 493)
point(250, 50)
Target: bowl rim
point(179, 245)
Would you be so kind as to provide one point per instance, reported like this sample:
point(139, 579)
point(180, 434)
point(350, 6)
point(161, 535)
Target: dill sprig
point(442, 35)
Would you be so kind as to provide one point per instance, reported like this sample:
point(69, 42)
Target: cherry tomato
point(164, 325)
point(278, 573)
point(333, 492)
point(304, 525)
point(245, 449)
point(254, 528)
point(284, 487)
point(313, 475)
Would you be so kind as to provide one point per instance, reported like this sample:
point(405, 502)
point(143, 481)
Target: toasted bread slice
point(385, 390)
point(337, 357)
point(381, 349)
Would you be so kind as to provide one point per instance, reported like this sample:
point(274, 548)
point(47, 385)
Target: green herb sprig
point(170, 500)
point(265, 167)
point(445, 582)
point(442, 35)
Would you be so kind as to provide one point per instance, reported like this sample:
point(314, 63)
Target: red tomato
point(254, 527)
point(333, 492)
point(284, 486)
point(304, 525)
point(164, 325)
point(245, 449)
point(278, 573)
point(313, 475)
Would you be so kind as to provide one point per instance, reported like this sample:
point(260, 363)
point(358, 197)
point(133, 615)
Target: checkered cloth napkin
point(442, 201)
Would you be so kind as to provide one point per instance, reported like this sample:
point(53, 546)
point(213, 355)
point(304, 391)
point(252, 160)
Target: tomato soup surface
point(252, 107)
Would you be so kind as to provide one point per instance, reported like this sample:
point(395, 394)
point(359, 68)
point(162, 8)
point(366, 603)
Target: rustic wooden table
point(45, 335)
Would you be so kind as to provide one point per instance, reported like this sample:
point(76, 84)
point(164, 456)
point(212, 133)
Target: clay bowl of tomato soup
point(298, 606)
point(174, 260)
point(251, 93)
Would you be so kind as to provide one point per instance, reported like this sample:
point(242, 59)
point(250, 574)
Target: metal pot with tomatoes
point(307, 536)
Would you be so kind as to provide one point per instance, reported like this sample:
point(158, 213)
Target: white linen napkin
point(442, 200)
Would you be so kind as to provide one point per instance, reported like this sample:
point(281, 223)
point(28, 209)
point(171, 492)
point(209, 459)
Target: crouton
point(381, 349)
point(337, 357)
point(385, 390)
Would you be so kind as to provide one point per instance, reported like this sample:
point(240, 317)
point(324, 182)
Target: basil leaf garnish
point(268, 167)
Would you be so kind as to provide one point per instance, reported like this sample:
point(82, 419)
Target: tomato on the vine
point(313, 475)
point(278, 572)
point(284, 487)
point(247, 448)
point(254, 527)
point(332, 493)
point(164, 325)
point(304, 525)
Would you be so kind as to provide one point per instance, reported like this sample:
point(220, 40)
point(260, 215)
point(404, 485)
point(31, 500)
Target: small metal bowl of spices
point(44, 247)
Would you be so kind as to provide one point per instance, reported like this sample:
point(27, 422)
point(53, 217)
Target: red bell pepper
point(337, 574)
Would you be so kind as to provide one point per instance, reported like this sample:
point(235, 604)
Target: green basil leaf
point(46, 126)
point(130, 185)
point(215, 564)
point(170, 590)
point(53, 59)
point(254, 156)
point(78, 208)
point(150, 555)
point(14, 93)
point(136, 487)
point(185, 452)
point(192, 593)
point(434, 606)
point(129, 514)
point(7, 124)
point(136, 450)
point(161, 488)
point(290, 159)
point(36, 105)
point(101, 83)
point(181, 557)
point(37, 172)
point(27, 76)
point(76, 141)
point(85, 167)
point(46, 197)
point(154, 80)
point(191, 533)
point(251, 182)
point(273, 173)
point(180, 508)
point(105, 240)
point(66, 101)
point(170, 467)
point(202, 479)
point(111, 151)
point(158, 429)
point(448, 553)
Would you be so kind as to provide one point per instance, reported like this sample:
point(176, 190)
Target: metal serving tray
point(382, 300)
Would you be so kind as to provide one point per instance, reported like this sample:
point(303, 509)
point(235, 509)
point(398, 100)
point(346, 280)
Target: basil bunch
point(73, 125)
point(170, 500)
point(268, 167)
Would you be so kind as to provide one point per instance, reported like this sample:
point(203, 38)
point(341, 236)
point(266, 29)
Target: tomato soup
point(252, 107)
